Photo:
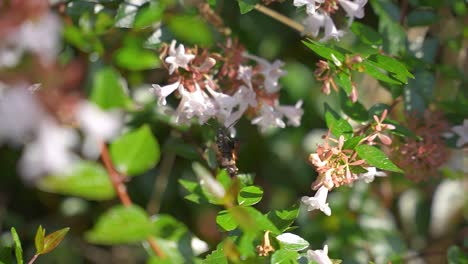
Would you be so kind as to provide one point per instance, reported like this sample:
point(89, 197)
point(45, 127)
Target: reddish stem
point(115, 176)
point(121, 190)
point(33, 259)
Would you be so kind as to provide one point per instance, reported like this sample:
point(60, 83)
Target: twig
point(160, 183)
point(33, 259)
point(121, 190)
point(115, 177)
point(281, 18)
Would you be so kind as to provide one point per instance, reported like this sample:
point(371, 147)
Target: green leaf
point(5, 255)
point(283, 256)
point(337, 125)
point(292, 242)
point(18, 249)
point(366, 34)
point(398, 70)
point(323, 50)
point(375, 71)
point(191, 29)
point(87, 179)
point(284, 218)
point(352, 142)
point(121, 225)
point(344, 81)
point(225, 220)
point(376, 157)
point(51, 241)
point(167, 227)
point(250, 219)
point(107, 91)
point(217, 256)
point(39, 239)
point(250, 195)
point(136, 58)
point(196, 193)
point(355, 110)
point(401, 130)
point(421, 18)
point(136, 151)
point(389, 26)
point(246, 6)
point(148, 15)
point(456, 256)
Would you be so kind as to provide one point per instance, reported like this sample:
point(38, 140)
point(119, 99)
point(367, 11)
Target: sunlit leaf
point(250, 195)
point(18, 248)
point(376, 157)
point(52, 240)
point(136, 151)
point(292, 242)
point(121, 225)
point(86, 179)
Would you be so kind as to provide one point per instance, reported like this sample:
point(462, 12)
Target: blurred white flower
point(331, 32)
point(50, 152)
point(20, 114)
point(312, 24)
point(462, 132)
point(165, 91)
point(42, 36)
point(97, 126)
point(177, 57)
point(311, 5)
point(198, 246)
point(268, 118)
point(370, 175)
point(271, 72)
point(292, 113)
point(319, 201)
point(320, 256)
point(354, 9)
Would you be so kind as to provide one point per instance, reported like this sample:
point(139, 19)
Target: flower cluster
point(225, 87)
point(326, 73)
point(338, 166)
point(319, 14)
point(49, 143)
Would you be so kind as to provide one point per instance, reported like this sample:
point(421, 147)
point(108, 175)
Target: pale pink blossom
point(177, 57)
point(370, 175)
point(268, 118)
point(320, 256)
point(353, 9)
point(164, 91)
point(292, 113)
point(319, 201)
point(462, 132)
point(271, 71)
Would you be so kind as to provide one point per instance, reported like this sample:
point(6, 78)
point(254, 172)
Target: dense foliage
point(248, 131)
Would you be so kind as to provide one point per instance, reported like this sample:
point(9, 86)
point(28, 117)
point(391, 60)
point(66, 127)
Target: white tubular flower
point(20, 114)
point(331, 32)
point(97, 126)
point(194, 104)
point(165, 91)
point(462, 132)
point(320, 256)
point(245, 74)
point(354, 9)
point(10, 53)
point(319, 201)
point(311, 5)
point(292, 113)
point(271, 71)
point(177, 57)
point(268, 118)
point(51, 152)
point(224, 104)
point(312, 24)
point(370, 175)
